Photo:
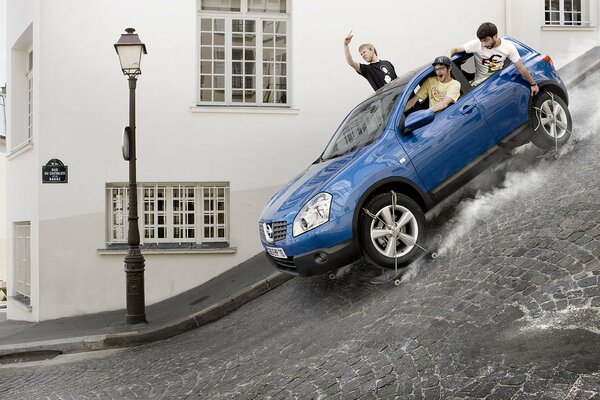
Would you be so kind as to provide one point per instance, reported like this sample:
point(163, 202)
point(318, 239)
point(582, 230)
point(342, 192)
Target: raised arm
point(349, 59)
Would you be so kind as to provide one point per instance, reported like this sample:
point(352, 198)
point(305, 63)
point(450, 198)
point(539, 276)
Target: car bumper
point(319, 261)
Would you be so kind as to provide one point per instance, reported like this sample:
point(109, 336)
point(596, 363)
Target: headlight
point(313, 214)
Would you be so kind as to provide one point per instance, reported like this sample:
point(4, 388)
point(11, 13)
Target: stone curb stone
point(161, 332)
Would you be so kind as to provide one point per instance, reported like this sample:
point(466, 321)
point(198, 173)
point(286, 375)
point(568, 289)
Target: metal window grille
point(184, 217)
point(155, 213)
point(172, 213)
point(215, 211)
point(22, 259)
point(29, 117)
point(119, 206)
point(2, 113)
point(243, 53)
point(566, 13)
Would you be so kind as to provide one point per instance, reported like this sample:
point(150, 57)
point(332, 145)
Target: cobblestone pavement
point(510, 310)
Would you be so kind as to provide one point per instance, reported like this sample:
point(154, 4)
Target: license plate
point(276, 252)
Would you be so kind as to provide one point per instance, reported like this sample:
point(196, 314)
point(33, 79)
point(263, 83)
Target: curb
point(160, 332)
point(573, 73)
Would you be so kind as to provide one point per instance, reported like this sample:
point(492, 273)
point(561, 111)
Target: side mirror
point(418, 119)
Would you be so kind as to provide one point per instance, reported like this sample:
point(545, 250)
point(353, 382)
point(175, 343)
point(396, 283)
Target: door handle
point(468, 109)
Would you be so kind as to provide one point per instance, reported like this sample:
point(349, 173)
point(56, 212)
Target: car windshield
point(364, 124)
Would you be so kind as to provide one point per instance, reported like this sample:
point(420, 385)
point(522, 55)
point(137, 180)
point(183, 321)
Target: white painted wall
point(2, 208)
point(562, 44)
point(81, 108)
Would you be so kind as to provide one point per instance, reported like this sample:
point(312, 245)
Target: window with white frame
point(567, 13)
point(22, 262)
point(172, 213)
point(20, 131)
point(243, 52)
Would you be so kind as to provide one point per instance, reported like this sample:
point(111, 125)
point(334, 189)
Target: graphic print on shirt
point(438, 94)
point(387, 78)
point(494, 63)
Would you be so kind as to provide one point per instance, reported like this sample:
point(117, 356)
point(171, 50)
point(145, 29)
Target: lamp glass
point(130, 57)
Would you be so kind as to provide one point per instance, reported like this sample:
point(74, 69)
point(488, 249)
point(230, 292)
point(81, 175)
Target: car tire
point(375, 234)
point(549, 116)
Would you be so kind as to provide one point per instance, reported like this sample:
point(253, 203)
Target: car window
point(364, 124)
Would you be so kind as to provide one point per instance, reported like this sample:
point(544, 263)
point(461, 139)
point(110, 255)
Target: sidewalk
point(199, 306)
point(196, 307)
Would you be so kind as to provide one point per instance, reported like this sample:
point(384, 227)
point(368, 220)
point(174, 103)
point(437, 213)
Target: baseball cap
point(442, 60)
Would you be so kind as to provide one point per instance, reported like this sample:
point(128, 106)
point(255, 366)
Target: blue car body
point(427, 164)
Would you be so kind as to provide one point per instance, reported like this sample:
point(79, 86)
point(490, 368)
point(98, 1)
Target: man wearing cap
point(441, 89)
point(490, 54)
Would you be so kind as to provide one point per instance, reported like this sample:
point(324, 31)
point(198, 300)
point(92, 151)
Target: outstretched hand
point(348, 39)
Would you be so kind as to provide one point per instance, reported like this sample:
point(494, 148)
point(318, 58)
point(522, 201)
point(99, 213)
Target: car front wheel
point(551, 121)
point(391, 227)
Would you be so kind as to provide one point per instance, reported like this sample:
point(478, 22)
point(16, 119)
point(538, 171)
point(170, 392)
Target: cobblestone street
point(509, 310)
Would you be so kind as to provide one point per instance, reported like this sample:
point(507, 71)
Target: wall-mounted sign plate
point(55, 172)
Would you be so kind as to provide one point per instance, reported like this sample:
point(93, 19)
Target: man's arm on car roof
point(454, 50)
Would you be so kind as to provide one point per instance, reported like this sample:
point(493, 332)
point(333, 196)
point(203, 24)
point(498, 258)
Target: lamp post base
point(134, 271)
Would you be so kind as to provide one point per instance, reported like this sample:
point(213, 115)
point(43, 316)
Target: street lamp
point(130, 49)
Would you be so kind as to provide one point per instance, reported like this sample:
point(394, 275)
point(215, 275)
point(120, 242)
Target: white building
point(236, 97)
point(2, 186)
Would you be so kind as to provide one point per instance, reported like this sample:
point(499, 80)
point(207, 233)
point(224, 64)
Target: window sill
point(21, 301)
point(170, 248)
point(20, 149)
point(244, 110)
point(568, 28)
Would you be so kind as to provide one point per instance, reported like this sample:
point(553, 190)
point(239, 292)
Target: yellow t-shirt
point(437, 91)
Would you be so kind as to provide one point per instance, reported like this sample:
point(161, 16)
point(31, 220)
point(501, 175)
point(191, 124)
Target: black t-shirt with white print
point(378, 73)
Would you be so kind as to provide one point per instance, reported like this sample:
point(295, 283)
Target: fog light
point(321, 258)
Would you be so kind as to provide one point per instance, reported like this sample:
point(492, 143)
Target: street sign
point(55, 172)
point(125, 144)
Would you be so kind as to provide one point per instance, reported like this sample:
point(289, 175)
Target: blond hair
point(367, 46)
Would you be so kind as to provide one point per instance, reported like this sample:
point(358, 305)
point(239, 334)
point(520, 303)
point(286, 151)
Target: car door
point(448, 145)
point(504, 101)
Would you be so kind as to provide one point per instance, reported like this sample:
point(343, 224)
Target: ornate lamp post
point(130, 49)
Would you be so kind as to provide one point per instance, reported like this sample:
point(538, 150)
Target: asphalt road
point(510, 309)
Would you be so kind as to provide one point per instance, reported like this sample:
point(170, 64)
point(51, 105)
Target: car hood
point(286, 203)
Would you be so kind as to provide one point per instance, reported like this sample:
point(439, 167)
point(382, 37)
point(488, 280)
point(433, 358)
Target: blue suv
point(383, 169)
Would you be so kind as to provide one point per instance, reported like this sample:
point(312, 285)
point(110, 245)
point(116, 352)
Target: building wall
point(81, 107)
point(2, 208)
point(563, 44)
point(22, 203)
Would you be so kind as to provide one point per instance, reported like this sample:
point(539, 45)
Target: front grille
point(279, 230)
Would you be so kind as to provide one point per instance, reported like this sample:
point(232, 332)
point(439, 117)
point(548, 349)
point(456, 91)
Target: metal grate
point(279, 230)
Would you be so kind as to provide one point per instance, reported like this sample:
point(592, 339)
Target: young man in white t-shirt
point(490, 53)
